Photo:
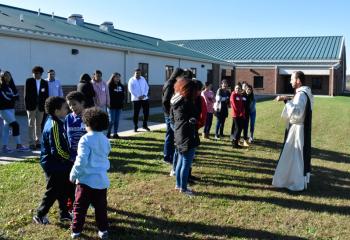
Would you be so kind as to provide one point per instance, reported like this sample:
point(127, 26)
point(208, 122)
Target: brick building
point(267, 63)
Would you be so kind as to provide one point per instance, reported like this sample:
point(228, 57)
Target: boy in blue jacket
point(54, 160)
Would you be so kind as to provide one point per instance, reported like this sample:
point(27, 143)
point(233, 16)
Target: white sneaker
point(216, 138)
point(103, 235)
point(74, 235)
point(172, 173)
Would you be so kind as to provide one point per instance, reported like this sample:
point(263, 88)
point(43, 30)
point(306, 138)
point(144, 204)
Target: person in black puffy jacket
point(167, 93)
point(183, 114)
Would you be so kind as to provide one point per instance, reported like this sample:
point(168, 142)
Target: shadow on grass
point(287, 203)
point(149, 227)
point(326, 155)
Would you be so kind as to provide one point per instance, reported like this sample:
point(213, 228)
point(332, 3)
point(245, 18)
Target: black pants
point(57, 188)
point(238, 126)
point(145, 107)
point(245, 127)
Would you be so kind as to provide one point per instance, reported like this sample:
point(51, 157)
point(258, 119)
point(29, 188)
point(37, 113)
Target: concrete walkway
point(126, 128)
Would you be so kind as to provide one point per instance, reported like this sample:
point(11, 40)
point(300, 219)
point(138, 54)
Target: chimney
point(107, 26)
point(21, 17)
point(52, 15)
point(76, 19)
point(39, 12)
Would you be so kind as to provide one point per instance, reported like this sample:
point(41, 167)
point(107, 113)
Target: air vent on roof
point(107, 26)
point(76, 19)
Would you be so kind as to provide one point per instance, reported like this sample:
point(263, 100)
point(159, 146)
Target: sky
point(207, 19)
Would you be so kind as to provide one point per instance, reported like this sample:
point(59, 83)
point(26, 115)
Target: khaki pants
point(34, 126)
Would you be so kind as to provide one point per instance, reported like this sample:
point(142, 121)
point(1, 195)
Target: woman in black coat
point(86, 88)
point(183, 114)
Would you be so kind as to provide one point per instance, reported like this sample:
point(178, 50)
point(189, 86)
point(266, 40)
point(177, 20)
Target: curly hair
point(75, 95)
point(54, 103)
point(96, 119)
point(37, 69)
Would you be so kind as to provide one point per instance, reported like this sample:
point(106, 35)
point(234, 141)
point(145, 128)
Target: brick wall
point(247, 74)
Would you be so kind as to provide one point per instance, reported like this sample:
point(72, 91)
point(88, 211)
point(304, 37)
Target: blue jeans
point(169, 141)
point(183, 168)
point(208, 123)
point(8, 117)
point(175, 159)
point(220, 123)
point(114, 116)
point(252, 123)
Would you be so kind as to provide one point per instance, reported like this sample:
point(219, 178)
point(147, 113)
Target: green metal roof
point(286, 49)
point(58, 27)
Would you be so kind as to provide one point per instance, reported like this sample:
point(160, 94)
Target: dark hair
point(186, 88)
point(224, 81)
point(85, 78)
point(2, 76)
point(301, 76)
point(51, 70)
point(177, 72)
point(188, 74)
point(53, 103)
point(137, 70)
point(198, 84)
point(111, 82)
point(98, 72)
point(96, 119)
point(76, 96)
point(207, 83)
point(37, 69)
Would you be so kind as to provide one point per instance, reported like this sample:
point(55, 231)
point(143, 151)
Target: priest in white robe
point(294, 165)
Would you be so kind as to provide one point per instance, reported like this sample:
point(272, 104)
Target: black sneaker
point(116, 136)
point(41, 220)
point(135, 129)
point(146, 128)
point(38, 145)
point(66, 217)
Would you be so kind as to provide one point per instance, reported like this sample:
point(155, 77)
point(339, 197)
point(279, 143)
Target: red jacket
point(237, 105)
point(203, 114)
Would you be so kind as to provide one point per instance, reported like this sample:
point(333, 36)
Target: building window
point(144, 70)
point(316, 83)
point(168, 71)
point(194, 71)
point(258, 82)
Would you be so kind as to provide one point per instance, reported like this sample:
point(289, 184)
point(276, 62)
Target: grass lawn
point(234, 198)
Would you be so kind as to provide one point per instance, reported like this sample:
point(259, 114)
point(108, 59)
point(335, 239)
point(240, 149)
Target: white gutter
point(285, 65)
point(237, 62)
point(341, 47)
point(38, 35)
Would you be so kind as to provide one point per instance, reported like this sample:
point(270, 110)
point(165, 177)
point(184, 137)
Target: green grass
point(234, 200)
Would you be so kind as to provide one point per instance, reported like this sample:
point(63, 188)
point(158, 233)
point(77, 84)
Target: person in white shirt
point(138, 88)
